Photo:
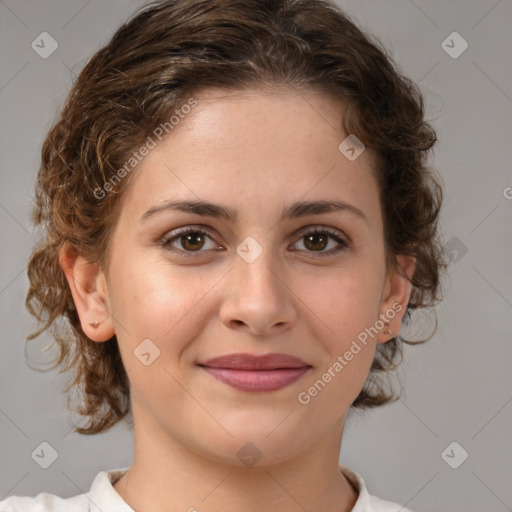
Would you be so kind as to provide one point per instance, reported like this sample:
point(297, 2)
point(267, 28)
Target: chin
point(253, 447)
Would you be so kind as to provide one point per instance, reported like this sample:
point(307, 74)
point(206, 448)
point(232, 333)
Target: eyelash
point(334, 234)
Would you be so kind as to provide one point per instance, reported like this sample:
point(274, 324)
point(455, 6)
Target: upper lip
point(255, 362)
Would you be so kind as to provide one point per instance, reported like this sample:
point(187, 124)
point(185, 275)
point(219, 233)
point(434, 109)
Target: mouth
point(248, 372)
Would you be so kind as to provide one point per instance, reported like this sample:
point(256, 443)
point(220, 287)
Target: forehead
point(256, 149)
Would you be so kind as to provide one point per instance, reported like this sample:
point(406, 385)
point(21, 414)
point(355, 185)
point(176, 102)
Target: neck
point(166, 476)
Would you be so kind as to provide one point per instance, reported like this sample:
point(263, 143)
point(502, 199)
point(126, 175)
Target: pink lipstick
point(248, 372)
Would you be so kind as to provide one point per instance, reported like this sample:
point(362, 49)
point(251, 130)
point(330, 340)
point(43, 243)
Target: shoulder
point(102, 497)
point(365, 501)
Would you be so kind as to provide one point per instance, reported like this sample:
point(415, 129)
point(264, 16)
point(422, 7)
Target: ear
point(395, 297)
point(89, 290)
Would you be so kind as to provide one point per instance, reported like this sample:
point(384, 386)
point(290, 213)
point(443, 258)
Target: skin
point(256, 152)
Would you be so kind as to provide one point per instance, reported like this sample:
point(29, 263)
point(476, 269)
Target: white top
point(104, 498)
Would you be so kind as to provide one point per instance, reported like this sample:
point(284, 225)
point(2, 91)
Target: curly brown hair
point(168, 51)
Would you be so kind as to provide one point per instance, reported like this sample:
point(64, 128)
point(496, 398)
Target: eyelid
point(178, 232)
point(343, 240)
point(320, 228)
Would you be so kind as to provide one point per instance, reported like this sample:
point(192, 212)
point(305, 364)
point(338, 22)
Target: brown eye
point(188, 240)
point(319, 239)
point(316, 241)
point(192, 241)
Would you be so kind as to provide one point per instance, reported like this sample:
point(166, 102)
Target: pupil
point(316, 236)
point(189, 244)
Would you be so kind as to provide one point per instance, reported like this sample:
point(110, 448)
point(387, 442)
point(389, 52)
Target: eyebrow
point(296, 210)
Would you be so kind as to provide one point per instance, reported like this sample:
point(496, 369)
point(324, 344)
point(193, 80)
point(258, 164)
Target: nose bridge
point(256, 267)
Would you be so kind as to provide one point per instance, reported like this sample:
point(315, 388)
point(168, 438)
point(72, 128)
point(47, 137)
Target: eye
point(317, 239)
point(191, 239)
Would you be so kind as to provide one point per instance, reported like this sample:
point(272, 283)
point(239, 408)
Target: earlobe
point(89, 290)
point(396, 297)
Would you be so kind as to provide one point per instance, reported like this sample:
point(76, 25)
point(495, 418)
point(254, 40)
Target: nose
point(258, 299)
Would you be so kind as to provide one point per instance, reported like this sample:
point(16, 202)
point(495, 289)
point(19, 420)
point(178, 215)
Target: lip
point(246, 361)
point(248, 372)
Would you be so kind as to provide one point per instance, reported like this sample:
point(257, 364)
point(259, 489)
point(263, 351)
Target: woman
point(238, 220)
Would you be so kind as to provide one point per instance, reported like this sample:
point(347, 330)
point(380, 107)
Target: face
point(276, 276)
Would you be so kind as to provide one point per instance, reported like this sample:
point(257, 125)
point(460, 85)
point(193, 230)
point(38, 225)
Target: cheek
point(345, 305)
point(157, 315)
point(345, 299)
point(150, 301)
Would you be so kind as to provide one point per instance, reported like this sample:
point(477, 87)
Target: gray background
point(458, 385)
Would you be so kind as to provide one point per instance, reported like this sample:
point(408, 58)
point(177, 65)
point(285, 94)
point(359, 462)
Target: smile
point(253, 372)
point(257, 380)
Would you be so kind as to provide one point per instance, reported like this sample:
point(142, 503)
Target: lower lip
point(257, 380)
